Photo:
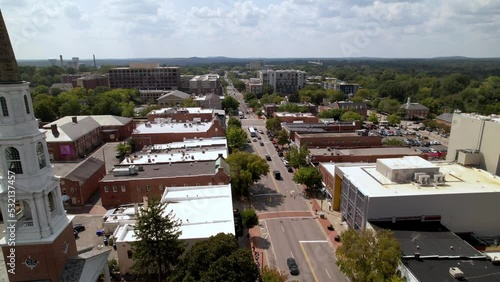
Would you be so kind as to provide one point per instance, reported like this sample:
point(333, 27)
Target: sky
point(44, 29)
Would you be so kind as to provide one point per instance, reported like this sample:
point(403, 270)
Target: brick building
point(414, 110)
point(205, 84)
point(254, 86)
point(167, 98)
point(209, 101)
point(70, 138)
point(296, 117)
point(359, 108)
point(145, 76)
point(82, 182)
point(131, 184)
point(270, 109)
point(191, 114)
point(91, 81)
point(166, 131)
point(365, 155)
point(320, 127)
point(337, 140)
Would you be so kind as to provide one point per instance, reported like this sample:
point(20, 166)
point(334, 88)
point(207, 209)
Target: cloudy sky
point(42, 29)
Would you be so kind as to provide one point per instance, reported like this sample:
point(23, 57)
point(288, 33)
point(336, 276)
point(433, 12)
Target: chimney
point(74, 119)
point(220, 156)
point(53, 127)
point(62, 62)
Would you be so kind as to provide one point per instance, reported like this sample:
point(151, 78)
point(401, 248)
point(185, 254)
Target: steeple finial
point(9, 71)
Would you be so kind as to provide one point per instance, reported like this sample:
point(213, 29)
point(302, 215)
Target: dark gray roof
point(348, 105)
point(85, 170)
point(448, 117)
point(439, 269)
point(176, 93)
point(86, 266)
point(177, 169)
point(413, 106)
point(429, 239)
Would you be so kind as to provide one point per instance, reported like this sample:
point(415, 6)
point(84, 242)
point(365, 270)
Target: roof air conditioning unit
point(416, 175)
point(424, 179)
point(439, 179)
point(456, 273)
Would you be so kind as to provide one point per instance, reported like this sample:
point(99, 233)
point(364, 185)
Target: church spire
point(9, 71)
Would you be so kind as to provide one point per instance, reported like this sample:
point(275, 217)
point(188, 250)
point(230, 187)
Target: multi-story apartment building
point(284, 81)
point(254, 86)
point(474, 141)
point(91, 81)
point(205, 84)
point(145, 76)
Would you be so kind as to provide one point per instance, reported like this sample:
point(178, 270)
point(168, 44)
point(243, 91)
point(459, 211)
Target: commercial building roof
point(176, 93)
point(69, 131)
point(329, 135)
point(164, 170)
point(177, 155)
point(458, 180)
point(102, 120)
point(492, 118)
point(190, 110)
point(164, 126)
point(287, 114)
point(366, 151)
point(85, 170)
point(203, 211)
point(439, 270)
point(447, 117)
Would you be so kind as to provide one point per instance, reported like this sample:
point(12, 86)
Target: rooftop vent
point(456, 273)
point(439, 179)
point(424, 179)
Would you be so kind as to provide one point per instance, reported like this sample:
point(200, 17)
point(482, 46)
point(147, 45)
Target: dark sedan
point(292, 266)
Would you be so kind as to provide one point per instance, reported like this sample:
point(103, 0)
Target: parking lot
point(88, 238)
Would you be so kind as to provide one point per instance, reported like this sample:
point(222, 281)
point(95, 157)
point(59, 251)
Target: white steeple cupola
point(26, 176)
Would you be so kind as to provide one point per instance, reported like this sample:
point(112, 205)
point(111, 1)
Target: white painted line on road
point(328, 274)
point(282, 228)
point(314, 241)
point(292, 254)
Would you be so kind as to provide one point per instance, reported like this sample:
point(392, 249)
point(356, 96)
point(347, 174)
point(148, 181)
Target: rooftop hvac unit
point(417, 174)
point(456, 273)
point(424, 179)
point(439, 179)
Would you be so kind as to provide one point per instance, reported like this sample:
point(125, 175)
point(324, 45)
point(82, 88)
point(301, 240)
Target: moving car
point(268, 157)
point(262, 143)
point(292, 266)
point(277, 174)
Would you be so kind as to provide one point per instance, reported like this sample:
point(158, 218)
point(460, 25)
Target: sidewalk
point(330, 217)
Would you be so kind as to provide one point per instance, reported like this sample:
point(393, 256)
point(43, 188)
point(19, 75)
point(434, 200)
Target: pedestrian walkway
point(326, 218)
point(284, 214)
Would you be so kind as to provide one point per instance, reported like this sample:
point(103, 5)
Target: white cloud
point(242, 28)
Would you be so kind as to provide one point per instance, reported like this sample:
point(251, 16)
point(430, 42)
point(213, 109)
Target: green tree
point(283, 137)
point(351, 116)
point(229, 104)
point(292, 108)
point(157, 248)
point(123, 149)
point(236, 138)
point(394, 119)
point(44, 111)
point(331, 113)
point(219, 258)
point(189, 102)
point(394, 142)
point(273, 275)
point(249, 218)
point(246, 168)
point(40, 89)
point(297, 157)
point(308, 176)
point(369, 256)
point(388, 105)
point(273, 124)
point(373, 118)
point(334, 95)
point(234, 122)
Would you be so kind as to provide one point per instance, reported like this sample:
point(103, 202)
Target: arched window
point(40, 153)
point(52, 205)
point(26, 104)
point(5, 110)
point(13, 160)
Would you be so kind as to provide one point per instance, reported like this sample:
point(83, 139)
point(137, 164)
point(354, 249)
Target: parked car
point(254, 140)
point(292, 266)
point(262, 143)
point(289, 169)
point(79, 228)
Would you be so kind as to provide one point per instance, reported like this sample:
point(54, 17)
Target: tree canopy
point(273, 124)
point(236, 138)
point(269, 274)
point(157, 248)
point(230, 104)
point(308, 176)
point(249, 218)
point(297, 157)
point(369, 256)
point(246, 168)
point(218, 258)
point(283, 137)
point(351, 116)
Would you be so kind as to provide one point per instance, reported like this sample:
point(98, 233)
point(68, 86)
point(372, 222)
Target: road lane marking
point(282, 228)
point(328, 274)
point(314, 241)
point(272, 248)
point(308, 262)
point(292, 254)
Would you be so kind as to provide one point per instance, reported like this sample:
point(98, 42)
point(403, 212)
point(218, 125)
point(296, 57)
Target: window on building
point(138, 188)
point(161, 187)
point(52, 205)
point(115, 189)
point(106, 189)
point(40, 152)
point(5, 109)
point(13, 160)
point(26, 104)
point(124, 188)
point(129, 254)
point(148, 188)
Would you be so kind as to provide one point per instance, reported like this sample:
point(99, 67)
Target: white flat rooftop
point(191, 110)
point(204, 211)
point(458, 180)
point(287, 114)
point(192, 143)
point(205, 154)
point(173, 128)
point(407, 162)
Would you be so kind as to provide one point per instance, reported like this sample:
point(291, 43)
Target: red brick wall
point(132, 195)
point(140, 140)
point(355, 159)
point(182, 116)
point(50, 258)
point(86, 190)
point(339, 142)
point(304, 119)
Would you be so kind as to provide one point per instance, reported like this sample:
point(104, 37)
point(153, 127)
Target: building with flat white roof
point(203, 211)
point(415, 188)
point(474, 141)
